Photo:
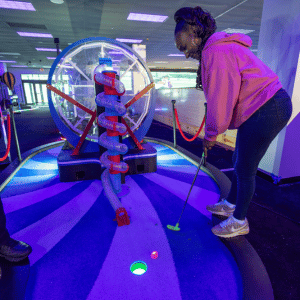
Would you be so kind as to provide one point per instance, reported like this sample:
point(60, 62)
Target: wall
point(279, 48)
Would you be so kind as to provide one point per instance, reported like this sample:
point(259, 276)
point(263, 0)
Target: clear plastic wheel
point(72, 74)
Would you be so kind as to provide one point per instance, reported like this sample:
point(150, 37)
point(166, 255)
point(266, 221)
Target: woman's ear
point(193, 35)
point(197, 41)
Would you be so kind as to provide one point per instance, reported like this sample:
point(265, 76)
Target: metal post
point(15, 132)
point(174, 123)
point(56, 42)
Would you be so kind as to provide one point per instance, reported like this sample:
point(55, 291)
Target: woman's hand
point(207, 145)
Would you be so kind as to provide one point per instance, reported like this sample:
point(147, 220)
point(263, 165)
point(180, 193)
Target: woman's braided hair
point(204, 26)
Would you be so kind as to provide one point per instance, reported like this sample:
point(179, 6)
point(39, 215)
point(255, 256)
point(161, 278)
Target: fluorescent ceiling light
point(176, 55)
point(146, 18)
point(46, 49)
point(161, 62)
point(6, 53)
point(19, 66)
point(51, 57)
point(16, 5)
point(32, 34)
point(8, 61)
point(232, 30)
point(129, 41)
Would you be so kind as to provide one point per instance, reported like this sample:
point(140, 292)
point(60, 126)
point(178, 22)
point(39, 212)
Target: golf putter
point(176, 227)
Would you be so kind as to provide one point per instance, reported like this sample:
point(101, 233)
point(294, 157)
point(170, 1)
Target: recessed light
point(17, 5)
point(46, 49)
point(8, 61)
point(146, 17)
point(19, 66)
point(33, 34)
point(6, 53)
point(129, 41)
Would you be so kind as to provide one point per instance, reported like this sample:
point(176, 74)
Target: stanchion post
point(174, 123)
point(15, 132)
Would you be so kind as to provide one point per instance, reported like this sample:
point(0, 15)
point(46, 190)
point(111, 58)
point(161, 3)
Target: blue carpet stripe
point(202, 180)
point(23, 172)
point(22, 218)
point(25, 188)
point(174, 162)
point(70, 269)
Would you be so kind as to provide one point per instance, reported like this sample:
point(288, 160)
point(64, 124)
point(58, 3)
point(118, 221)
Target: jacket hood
point(223, 37)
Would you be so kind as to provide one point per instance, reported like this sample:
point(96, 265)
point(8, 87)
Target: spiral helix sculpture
point(111, 177)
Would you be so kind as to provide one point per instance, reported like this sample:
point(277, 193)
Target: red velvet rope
point(178, 124)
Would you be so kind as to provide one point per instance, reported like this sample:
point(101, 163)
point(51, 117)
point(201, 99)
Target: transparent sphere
point(74, 76)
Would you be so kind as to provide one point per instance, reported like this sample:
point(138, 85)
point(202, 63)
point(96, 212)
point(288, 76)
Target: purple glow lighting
point(129, 41)
point(46, 49)
point(146, 18)
point(8, 61)
point(176, 55)
point(51, 57)
point(32, 34)
point(16, 5)
point(19, 66)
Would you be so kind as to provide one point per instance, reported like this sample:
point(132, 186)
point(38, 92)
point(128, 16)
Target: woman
point(241, 92)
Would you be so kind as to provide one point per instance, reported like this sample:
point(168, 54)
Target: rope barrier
point(197, 134)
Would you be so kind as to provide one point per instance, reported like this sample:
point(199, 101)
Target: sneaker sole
point(236, 233)
point(221, 213)
point(14, 259)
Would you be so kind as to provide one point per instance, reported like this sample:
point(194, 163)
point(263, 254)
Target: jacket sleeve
point(221, 81)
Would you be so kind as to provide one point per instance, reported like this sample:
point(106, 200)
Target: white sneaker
point(221, 209)
point(230, 228)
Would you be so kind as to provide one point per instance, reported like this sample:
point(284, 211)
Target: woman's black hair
point(203, 24)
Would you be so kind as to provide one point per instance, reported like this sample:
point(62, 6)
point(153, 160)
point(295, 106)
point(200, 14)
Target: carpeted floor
point(273, 214)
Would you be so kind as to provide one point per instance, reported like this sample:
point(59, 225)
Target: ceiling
point(77, 19)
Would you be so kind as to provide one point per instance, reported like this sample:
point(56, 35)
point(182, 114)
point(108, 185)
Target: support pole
point(15, 132)
point(174, 123)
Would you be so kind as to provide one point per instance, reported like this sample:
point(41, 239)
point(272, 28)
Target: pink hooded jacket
point(235, 82)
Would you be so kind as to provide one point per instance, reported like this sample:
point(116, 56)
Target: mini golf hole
point(138, 268)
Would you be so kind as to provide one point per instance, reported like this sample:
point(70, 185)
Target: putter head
point(174, 228)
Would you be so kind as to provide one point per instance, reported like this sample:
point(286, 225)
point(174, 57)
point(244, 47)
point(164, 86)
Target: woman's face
point(188, 44)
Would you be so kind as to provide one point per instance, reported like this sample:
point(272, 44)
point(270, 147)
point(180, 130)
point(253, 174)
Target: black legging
point(4, 235)
point(253, 140)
